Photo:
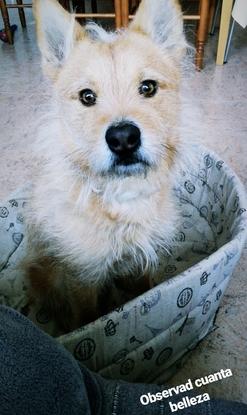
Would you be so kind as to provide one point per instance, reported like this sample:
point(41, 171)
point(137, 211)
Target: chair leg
point(125, 13)
point(5, 16)
point(202, 33)
point(211, 13)
point(21, 14)
point(133, 6)
point(215, 17)
point(94, 6)
point(118, 13)
point(79, 6)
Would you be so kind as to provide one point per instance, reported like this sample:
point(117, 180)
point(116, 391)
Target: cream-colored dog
point(102, 208)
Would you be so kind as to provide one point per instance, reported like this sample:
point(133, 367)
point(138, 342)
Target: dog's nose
point(123, 139)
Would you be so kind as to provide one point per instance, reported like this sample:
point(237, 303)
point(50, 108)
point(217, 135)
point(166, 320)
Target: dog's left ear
point(162, 21)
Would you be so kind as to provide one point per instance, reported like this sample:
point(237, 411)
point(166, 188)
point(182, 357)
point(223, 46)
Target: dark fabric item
point(39, 377)
point(220, 407)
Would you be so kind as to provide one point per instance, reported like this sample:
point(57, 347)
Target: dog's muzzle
point(124, 141)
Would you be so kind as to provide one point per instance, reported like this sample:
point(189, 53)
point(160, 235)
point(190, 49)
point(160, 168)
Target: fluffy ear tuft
point(162, 21)
point(57, 32)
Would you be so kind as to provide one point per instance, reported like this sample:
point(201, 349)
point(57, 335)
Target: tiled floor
point(220, 96)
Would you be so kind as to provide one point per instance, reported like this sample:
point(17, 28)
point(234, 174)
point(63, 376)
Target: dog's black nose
point(123, 139)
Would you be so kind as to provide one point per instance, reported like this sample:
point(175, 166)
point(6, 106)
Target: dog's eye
point(148, 88)
point(87, 97)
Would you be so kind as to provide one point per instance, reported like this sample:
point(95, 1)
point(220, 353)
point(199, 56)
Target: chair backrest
point(116, 14)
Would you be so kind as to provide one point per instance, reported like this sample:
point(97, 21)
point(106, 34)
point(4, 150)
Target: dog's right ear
point(57, 32)
point(161, 20)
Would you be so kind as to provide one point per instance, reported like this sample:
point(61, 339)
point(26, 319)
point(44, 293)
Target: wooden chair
point(123, 12)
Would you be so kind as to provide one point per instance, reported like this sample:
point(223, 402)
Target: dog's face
point(117, 94)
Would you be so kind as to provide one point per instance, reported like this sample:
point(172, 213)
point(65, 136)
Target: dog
point(102, 210)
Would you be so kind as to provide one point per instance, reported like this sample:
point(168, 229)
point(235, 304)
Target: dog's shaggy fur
point(90, 222)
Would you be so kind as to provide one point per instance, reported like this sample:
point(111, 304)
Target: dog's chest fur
point(103, 230)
